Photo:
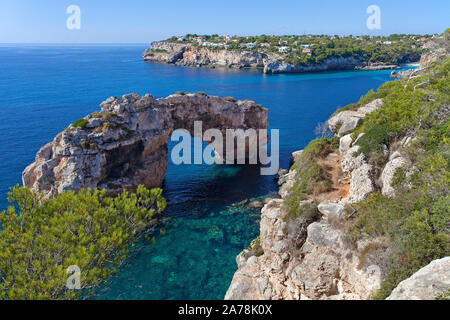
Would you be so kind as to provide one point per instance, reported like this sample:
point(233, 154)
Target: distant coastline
point(289, 54)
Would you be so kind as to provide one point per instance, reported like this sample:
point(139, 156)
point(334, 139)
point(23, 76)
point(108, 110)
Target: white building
point(251, 45)
point(283, 49)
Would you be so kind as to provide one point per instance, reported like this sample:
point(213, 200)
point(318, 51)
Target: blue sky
point(139, 21)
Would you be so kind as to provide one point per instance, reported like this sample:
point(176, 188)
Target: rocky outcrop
point(354, 165)
point(311, 258)
point(387, 176)
point(188, 55)
point(274, 65)
point(125, 144)
point(435, 49)
point(346, 121)
point(199, 56)
point(305, 258)
point(426, 284)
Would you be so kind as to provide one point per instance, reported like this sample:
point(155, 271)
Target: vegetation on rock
point(416, 220)
point(311, 176)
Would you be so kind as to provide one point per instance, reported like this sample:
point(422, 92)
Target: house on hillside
point(308, 51)
point(200, 40)
point(283, 49)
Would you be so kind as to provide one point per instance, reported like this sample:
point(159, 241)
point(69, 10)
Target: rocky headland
point(195, 56)
point(125, 144)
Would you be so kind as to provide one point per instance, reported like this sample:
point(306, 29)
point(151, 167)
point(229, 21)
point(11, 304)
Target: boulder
point(361, 183)
point(345, 143)
point(331, 210)
point(348, 126)
point(388, 174)
point(346, 121)
point(294, 157)
point(349, 162)
point(371, 106)
point(343, 117)
point(426, 284)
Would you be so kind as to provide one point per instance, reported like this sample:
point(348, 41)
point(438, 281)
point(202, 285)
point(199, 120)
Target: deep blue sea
point(44, 88)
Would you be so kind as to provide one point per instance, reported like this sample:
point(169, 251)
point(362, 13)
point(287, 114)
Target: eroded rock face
point(361, 183)
point(344, 122)
point(388, 173)
point(426, 284)
point(302, 258)
point(188, 55)
point(125, 144)
point(199, 56)
point(273, 65)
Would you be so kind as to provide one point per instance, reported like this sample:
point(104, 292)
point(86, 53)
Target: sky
point(142, 21)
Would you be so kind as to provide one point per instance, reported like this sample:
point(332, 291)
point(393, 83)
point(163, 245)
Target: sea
point(44, 88)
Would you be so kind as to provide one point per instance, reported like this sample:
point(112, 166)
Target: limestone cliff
point(125, 144)
point(312, 257)
point(189, 55)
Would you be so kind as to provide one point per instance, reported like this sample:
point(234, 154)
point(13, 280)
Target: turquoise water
point(45, 88)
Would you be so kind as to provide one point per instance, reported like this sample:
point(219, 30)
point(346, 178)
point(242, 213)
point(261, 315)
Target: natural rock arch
point(126, 143)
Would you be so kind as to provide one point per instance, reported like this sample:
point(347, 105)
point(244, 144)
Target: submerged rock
point(215, 233)
point(240, 203)
point(255, 204)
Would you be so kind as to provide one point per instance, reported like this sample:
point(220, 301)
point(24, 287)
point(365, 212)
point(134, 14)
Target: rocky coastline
point(312, 257)
point(194, 56)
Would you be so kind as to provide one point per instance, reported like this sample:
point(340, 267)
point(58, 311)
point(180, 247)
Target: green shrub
point(107, 126)
point(371, 144)
point(81, 123)
point(255, 247)
point(444, 295)
point(230, 99)
point(415, 222)
point(40, 239)
point(312, 177)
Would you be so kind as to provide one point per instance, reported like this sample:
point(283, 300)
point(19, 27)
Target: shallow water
point(45, 88)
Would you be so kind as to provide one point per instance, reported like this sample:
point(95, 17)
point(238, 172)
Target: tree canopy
point(40, 239)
